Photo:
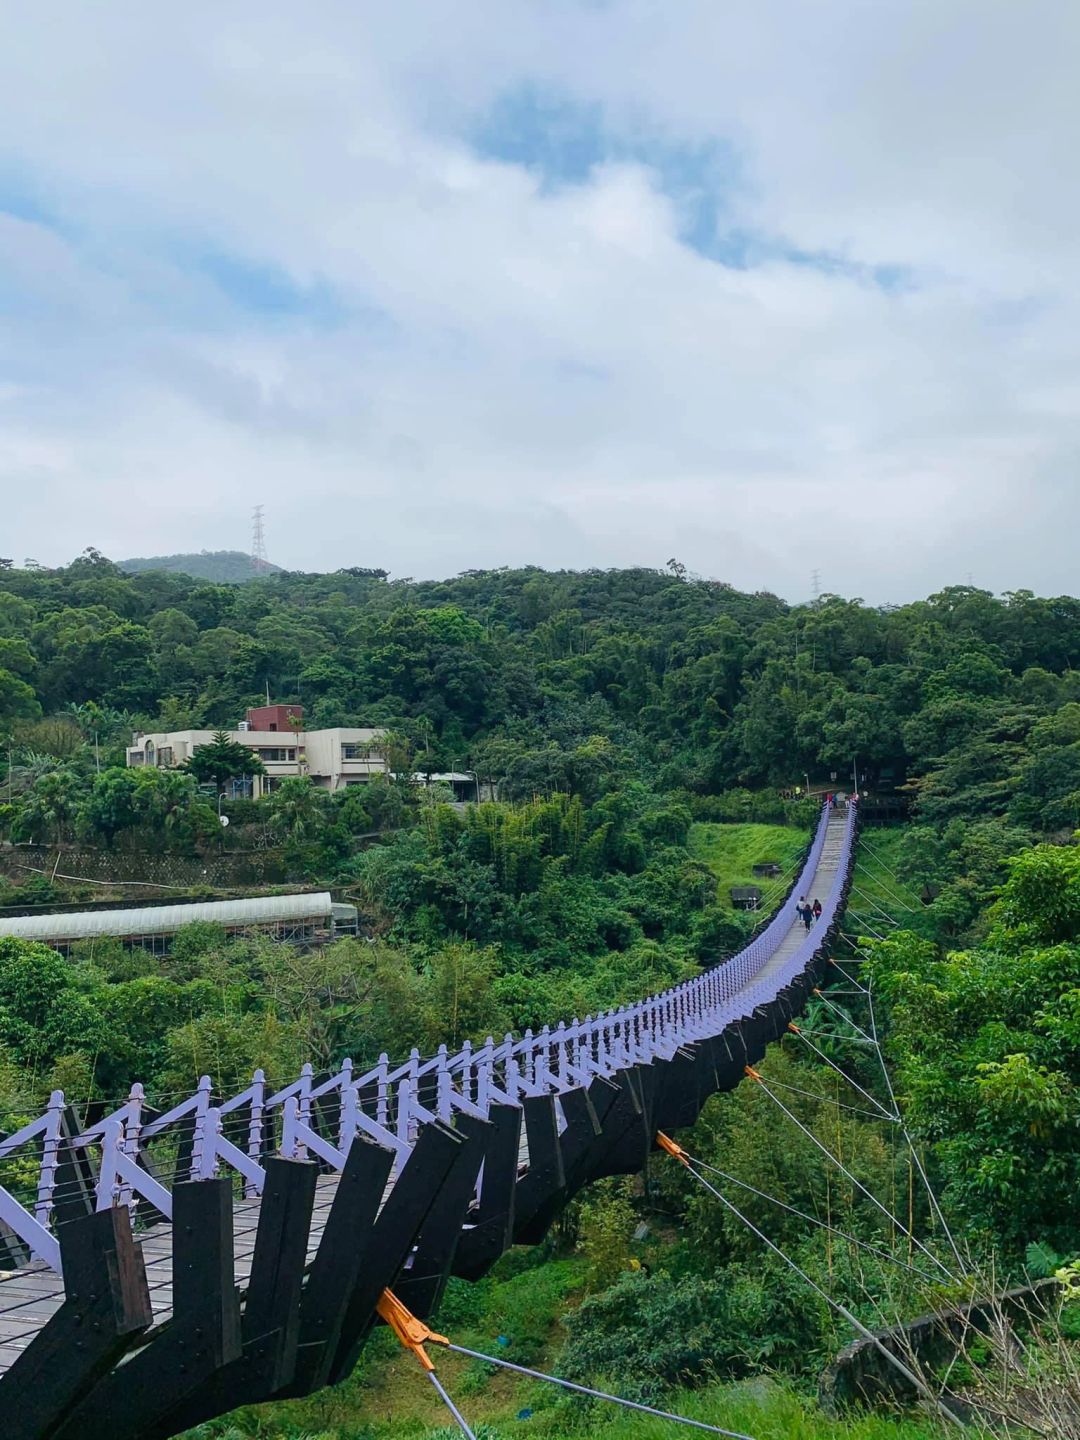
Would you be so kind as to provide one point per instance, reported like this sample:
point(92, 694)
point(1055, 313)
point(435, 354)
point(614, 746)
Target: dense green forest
point(648, 733)
point(229, 567)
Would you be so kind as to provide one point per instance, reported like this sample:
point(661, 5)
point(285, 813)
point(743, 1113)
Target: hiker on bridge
point(805, 912)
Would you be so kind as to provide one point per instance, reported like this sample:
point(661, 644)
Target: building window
point(150, 752)
point(164, 756)
point(136, 757)
point(277, 756)
point(359, 751)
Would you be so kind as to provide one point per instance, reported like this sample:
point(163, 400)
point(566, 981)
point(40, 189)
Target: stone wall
point(861, 1374)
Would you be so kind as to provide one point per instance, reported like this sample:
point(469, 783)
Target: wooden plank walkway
point(31, 1295)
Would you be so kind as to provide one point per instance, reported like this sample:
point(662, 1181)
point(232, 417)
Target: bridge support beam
point(392, 1238)
point(492, 1232)
point(270, 1327)
point(203, 1335)
point(107, 1306)
point(339, 1263)
point(423, 1282)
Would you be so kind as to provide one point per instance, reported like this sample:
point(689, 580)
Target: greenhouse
point(307, 918)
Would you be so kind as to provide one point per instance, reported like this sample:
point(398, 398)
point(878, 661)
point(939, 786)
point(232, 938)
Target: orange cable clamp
point(412, 1333)
point(676, 1151)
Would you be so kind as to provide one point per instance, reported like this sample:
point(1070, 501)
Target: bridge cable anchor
point(414, 1335)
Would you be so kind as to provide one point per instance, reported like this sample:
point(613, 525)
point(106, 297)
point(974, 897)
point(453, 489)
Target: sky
point(770, 288)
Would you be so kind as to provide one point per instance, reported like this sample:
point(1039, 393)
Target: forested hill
point(229, 567)
point(623, 713)
point(552, 680)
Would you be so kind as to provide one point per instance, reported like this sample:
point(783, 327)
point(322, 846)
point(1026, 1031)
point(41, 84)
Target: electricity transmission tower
point(258, 539)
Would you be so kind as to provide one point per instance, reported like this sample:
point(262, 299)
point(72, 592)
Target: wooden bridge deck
point(31, 1295)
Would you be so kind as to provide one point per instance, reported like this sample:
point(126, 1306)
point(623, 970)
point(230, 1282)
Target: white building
point(346, 755)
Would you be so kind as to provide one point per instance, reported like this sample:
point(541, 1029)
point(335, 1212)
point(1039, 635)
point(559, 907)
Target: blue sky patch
point(562, 141)
point(268, 291)
point(22, 199)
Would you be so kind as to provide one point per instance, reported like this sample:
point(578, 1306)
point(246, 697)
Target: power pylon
point(258, 539)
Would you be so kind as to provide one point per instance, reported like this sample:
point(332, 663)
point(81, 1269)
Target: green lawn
point(760, 1407)
point(731, 852)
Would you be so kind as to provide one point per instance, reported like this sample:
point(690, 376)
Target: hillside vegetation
point(646, 733)
point(225, 567)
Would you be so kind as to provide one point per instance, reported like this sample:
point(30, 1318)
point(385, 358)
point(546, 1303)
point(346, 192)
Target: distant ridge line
point(229, 567)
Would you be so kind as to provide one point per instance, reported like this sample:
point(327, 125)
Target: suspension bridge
point(166, 1264)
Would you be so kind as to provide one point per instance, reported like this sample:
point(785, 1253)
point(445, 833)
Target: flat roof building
point(333, 758)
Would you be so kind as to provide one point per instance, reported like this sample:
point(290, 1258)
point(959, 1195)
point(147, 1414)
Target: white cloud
point(477, 366)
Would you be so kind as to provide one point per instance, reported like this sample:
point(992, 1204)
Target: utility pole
point(258, 540)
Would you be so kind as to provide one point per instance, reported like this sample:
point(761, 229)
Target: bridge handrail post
point(382, 1090)
point(201, 1109)
point(50, 1146)
point(485, 1067)
point(444, 1107)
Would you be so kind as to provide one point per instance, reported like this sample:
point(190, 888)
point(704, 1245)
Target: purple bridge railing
point(318, 1118)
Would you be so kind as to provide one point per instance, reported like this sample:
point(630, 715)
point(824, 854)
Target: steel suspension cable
point(814, 1220)
point(883, 914)
point(846, 1172)
point(839, 1010)
point(596, 1394)
point(875, 933)
point(797, 1030)
point(849, 978)
point(440, 1389)
point(911, 1145)
point(878, 1115)
point(885, 889)
point(888, 871)
point(837, 1305)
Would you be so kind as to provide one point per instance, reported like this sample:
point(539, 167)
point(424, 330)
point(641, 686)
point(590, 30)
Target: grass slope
point(732, 851)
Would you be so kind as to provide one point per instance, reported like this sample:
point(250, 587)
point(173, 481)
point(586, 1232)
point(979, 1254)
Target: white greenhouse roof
point(165, 919)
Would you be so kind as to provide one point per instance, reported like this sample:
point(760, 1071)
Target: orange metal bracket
point(412, 1333)
point(676, 1151)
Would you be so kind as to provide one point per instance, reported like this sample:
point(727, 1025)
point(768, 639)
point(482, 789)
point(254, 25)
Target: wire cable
point(867, 1334)
point(599, 1394)
point(814, 1220)
point(848, 1174)
point(839, 1010)
point(878, 1114)
point(441, 1390)
point(911, 1146)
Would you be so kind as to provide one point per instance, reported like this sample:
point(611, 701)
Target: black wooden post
point(107, 1305)
point(339, 1262)
point(202, 1335)
point(493, 1224)
point(271, 1315)
point(408, 1204)
point(540, 1188)
point(424, 1280)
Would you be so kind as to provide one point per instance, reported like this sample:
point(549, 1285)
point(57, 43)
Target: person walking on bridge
point(804, 912)
point(816, 908)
